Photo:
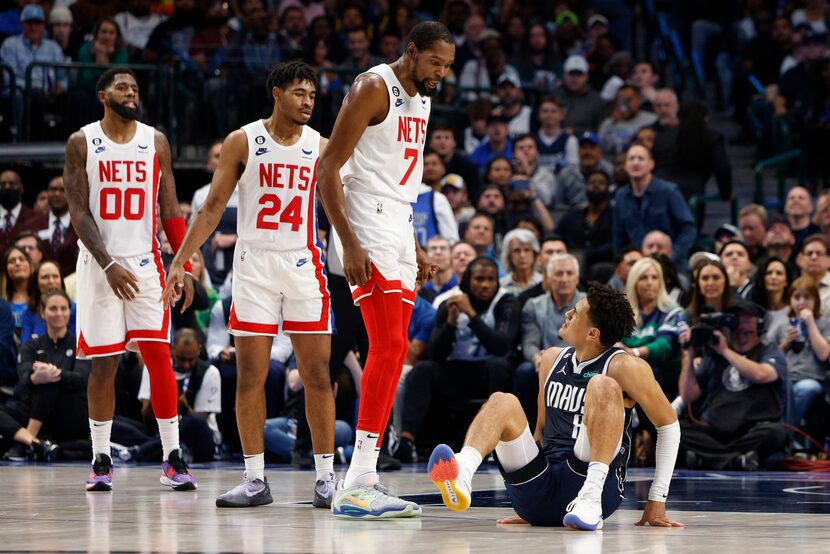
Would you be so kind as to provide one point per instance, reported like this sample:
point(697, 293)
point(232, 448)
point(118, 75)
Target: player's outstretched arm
point(123, 283)
point(366, 103)
point(204, 222)
point(636, 379)
point(545, 366)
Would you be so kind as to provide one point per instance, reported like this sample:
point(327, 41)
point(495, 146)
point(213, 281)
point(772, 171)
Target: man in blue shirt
point(497, 142)
point(648, 203)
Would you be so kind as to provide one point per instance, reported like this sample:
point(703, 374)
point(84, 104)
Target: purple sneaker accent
point(100, 480)
point(174, 473)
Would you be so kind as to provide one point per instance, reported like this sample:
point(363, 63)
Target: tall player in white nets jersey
point(278, 276)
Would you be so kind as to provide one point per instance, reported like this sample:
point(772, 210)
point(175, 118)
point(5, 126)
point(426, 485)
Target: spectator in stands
point(498, 171)
point(200, 396)
point(780, 240)
point(359, 58)
point(455, 189)
point(542, 181)
point(588, 230)
point(8, 348)
point(542, 317)
point(496, 144)
point(550, 245)
point(14, 282)
point(657, 242)
point(574, 177)
point(626, 118)
point(105, 47)
point(822, 215)
point(474, 333)
point(794, 87)
point(509, 91)
point(735, 258)
point(558, 148)
point(814, 262)
point(54, 381)
point(434, 169)
point(431, 212)
point(390, 45)
point(584, 108)
point(624, 260)
point(480, 234)
point(47, 278)
point(666, 108)
point(484, 71)
point(518, 257)
point(56, 230)
point(752, 222)
point(60, 30)
point(478, 112)
point(613, 75)
point(645, 79)
point(803, 339)
point(771, 291)
point(14, 216)
point(137, 24)
point(31, 245)
point(468, 44)
point(710, 287)
point(171, 38)
point(41, 204)
point(723, 234)
point(648, 203)
point(444, 278)
point(442, 140)
point(461, 254)
point(799, 209)
point(657, 316)
point(734, 388)
point(20, 51)
point(536, 58)
point(293, 32)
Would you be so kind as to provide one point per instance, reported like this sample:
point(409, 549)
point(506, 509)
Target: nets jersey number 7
point(410, 154)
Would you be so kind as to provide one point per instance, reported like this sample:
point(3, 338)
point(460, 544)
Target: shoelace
point(178, 464)
point(583, 495)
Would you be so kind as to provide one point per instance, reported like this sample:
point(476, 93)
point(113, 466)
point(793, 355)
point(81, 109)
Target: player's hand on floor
point(512, 520)
point(175, 281)
point(655, 515)
point(356, 265)
point(122, 282)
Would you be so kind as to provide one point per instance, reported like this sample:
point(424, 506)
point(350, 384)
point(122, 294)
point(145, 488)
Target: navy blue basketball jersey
point(552, 156)
point(565, 404)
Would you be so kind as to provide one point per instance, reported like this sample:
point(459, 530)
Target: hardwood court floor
point(44, 508)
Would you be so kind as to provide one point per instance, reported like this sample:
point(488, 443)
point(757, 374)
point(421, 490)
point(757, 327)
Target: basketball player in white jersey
point(278, 276)
point(117, 171)
point(375, 154)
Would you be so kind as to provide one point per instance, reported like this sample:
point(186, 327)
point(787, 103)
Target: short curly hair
point(610, 312)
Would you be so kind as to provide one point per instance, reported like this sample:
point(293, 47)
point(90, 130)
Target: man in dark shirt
point(589, 230)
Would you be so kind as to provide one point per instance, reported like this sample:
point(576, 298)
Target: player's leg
point(101, 401)
point(252, 355)
point(603, 420)
point(500, 425)
point(312, 352)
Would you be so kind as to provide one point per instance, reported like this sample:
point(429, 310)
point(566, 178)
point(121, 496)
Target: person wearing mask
point(574, 177)
point(648, 203)
point(14, 216)
point(588, 230)
point(474, 333)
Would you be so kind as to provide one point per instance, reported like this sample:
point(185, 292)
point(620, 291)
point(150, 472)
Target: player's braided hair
point(609, 312)
point(427, 32)
point(285, 73)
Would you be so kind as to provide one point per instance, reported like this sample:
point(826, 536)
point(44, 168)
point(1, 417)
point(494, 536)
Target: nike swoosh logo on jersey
point(301, 262)
point(260, 151)
point(100, 149)
point(143, 262)
point(399, 102)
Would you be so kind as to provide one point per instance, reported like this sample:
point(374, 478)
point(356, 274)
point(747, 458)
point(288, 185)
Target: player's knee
point(316, 377)
point(504, 401)
point(602, 386)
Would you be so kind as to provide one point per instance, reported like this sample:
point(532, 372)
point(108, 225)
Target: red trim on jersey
point(155, 245)
point(249, 327)
point(377, 279)
point(104, 350)
point(142, 334)
point(408, 296)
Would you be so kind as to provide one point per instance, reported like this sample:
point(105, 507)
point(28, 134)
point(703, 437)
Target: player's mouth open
point(432, 84)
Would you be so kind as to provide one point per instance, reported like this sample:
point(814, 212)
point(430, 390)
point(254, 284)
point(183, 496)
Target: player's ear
point(276, 92)
point(412, 51)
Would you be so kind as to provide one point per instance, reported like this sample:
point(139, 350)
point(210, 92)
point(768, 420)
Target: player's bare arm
point(636, 379)
point(204, 222)
point(123, 283)
point(426, 269)
point(545, 367)
point(169, 203)
point(367, 103)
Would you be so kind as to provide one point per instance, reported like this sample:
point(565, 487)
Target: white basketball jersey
point(123, 189)
point(388, 158)
point(276, 190)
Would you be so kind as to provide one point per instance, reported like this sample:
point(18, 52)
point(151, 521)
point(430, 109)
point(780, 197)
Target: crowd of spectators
point(554, 157)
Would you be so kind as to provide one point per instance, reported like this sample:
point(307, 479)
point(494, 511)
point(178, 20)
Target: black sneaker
point(44, 451)
point(747, 461)
point(406, 452)
point(387, 462)
point(19, 452)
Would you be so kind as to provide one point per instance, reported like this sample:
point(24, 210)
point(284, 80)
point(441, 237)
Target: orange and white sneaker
point(443, 471)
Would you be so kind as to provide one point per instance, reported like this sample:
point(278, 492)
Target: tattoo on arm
point(77, 194)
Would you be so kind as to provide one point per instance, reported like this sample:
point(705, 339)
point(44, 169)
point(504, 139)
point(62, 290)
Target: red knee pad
point(164, 391)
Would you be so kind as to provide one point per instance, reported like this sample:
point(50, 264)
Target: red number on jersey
point(413, 154)
point(115, 202)
point(292, 215)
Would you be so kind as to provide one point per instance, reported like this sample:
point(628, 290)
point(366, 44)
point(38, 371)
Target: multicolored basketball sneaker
point(100, 480)
point(443, 472)
point(174, 473)
point(363, 502)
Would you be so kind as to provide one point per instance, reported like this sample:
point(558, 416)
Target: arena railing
point(782, 164)
point(8, 98)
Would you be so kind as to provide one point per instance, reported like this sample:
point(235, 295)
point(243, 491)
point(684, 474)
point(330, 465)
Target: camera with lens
point(703, 333)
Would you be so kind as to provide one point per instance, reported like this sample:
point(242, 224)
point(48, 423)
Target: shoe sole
point(253, 502)
point(182, 487)
point(99, 487)
point(443, 472)
point(571, 521)
point(410, 511)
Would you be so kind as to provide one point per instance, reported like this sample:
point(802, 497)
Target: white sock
point(169, 433)
point(363, 469)
point(100, 432)
point(468, 461)
point(597, 472)
point(255, 466)
point(324, 464)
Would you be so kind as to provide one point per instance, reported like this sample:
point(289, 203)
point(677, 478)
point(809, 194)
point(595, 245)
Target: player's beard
point(130, 114)
point(421, 86)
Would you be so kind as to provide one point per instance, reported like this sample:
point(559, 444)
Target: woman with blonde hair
point(657, 317)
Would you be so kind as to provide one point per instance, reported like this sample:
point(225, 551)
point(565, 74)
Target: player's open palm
point(655, 516)
point(122, 282)
point(356, 265)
